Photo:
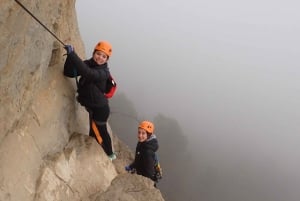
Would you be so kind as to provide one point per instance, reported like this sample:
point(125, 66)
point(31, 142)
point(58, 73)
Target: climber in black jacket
point(147, 145)
point(91, 88)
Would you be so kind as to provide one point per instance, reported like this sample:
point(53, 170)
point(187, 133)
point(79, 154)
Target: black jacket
point(145, 157)
point(92, 82)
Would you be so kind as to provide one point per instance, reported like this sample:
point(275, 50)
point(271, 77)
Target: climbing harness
point(40, 22)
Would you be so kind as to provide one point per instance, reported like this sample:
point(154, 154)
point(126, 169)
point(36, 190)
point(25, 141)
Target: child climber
point(94, 73)
point(147, 145)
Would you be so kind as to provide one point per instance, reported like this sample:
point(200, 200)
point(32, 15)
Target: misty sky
point(228, 71)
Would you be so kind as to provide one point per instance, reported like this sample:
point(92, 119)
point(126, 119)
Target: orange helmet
point(147, 125)
point(104, 47)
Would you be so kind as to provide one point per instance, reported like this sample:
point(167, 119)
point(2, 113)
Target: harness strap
point(76, 78)
point(97, 133)
point(94, 126)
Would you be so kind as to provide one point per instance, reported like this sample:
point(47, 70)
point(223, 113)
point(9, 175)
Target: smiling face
point(142, 135)
point(100, 57)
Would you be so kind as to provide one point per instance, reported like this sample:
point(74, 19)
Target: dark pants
point(100, 117)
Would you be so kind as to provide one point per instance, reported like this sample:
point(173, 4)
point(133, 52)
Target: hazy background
point(227, 71)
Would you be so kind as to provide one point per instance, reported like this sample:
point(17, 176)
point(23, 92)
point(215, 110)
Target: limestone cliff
point(45, 153)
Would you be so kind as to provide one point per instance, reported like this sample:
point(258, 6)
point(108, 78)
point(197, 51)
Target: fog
point(228, 71)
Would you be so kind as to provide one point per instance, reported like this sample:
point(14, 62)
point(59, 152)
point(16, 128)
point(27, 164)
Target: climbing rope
point(39, 22)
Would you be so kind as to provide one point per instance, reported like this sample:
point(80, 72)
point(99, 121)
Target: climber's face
point(100, 57)
point(142, 135)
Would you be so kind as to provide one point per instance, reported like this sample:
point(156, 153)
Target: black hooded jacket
point(92, 82)
point(145, 157)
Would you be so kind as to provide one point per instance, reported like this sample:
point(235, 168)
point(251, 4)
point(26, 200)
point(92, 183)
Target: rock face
point(80, 170)
point(45, 152)
point(138, 189)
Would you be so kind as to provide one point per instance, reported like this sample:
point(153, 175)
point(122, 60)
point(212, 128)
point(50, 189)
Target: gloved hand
point(69, 48)
point(128, 168)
